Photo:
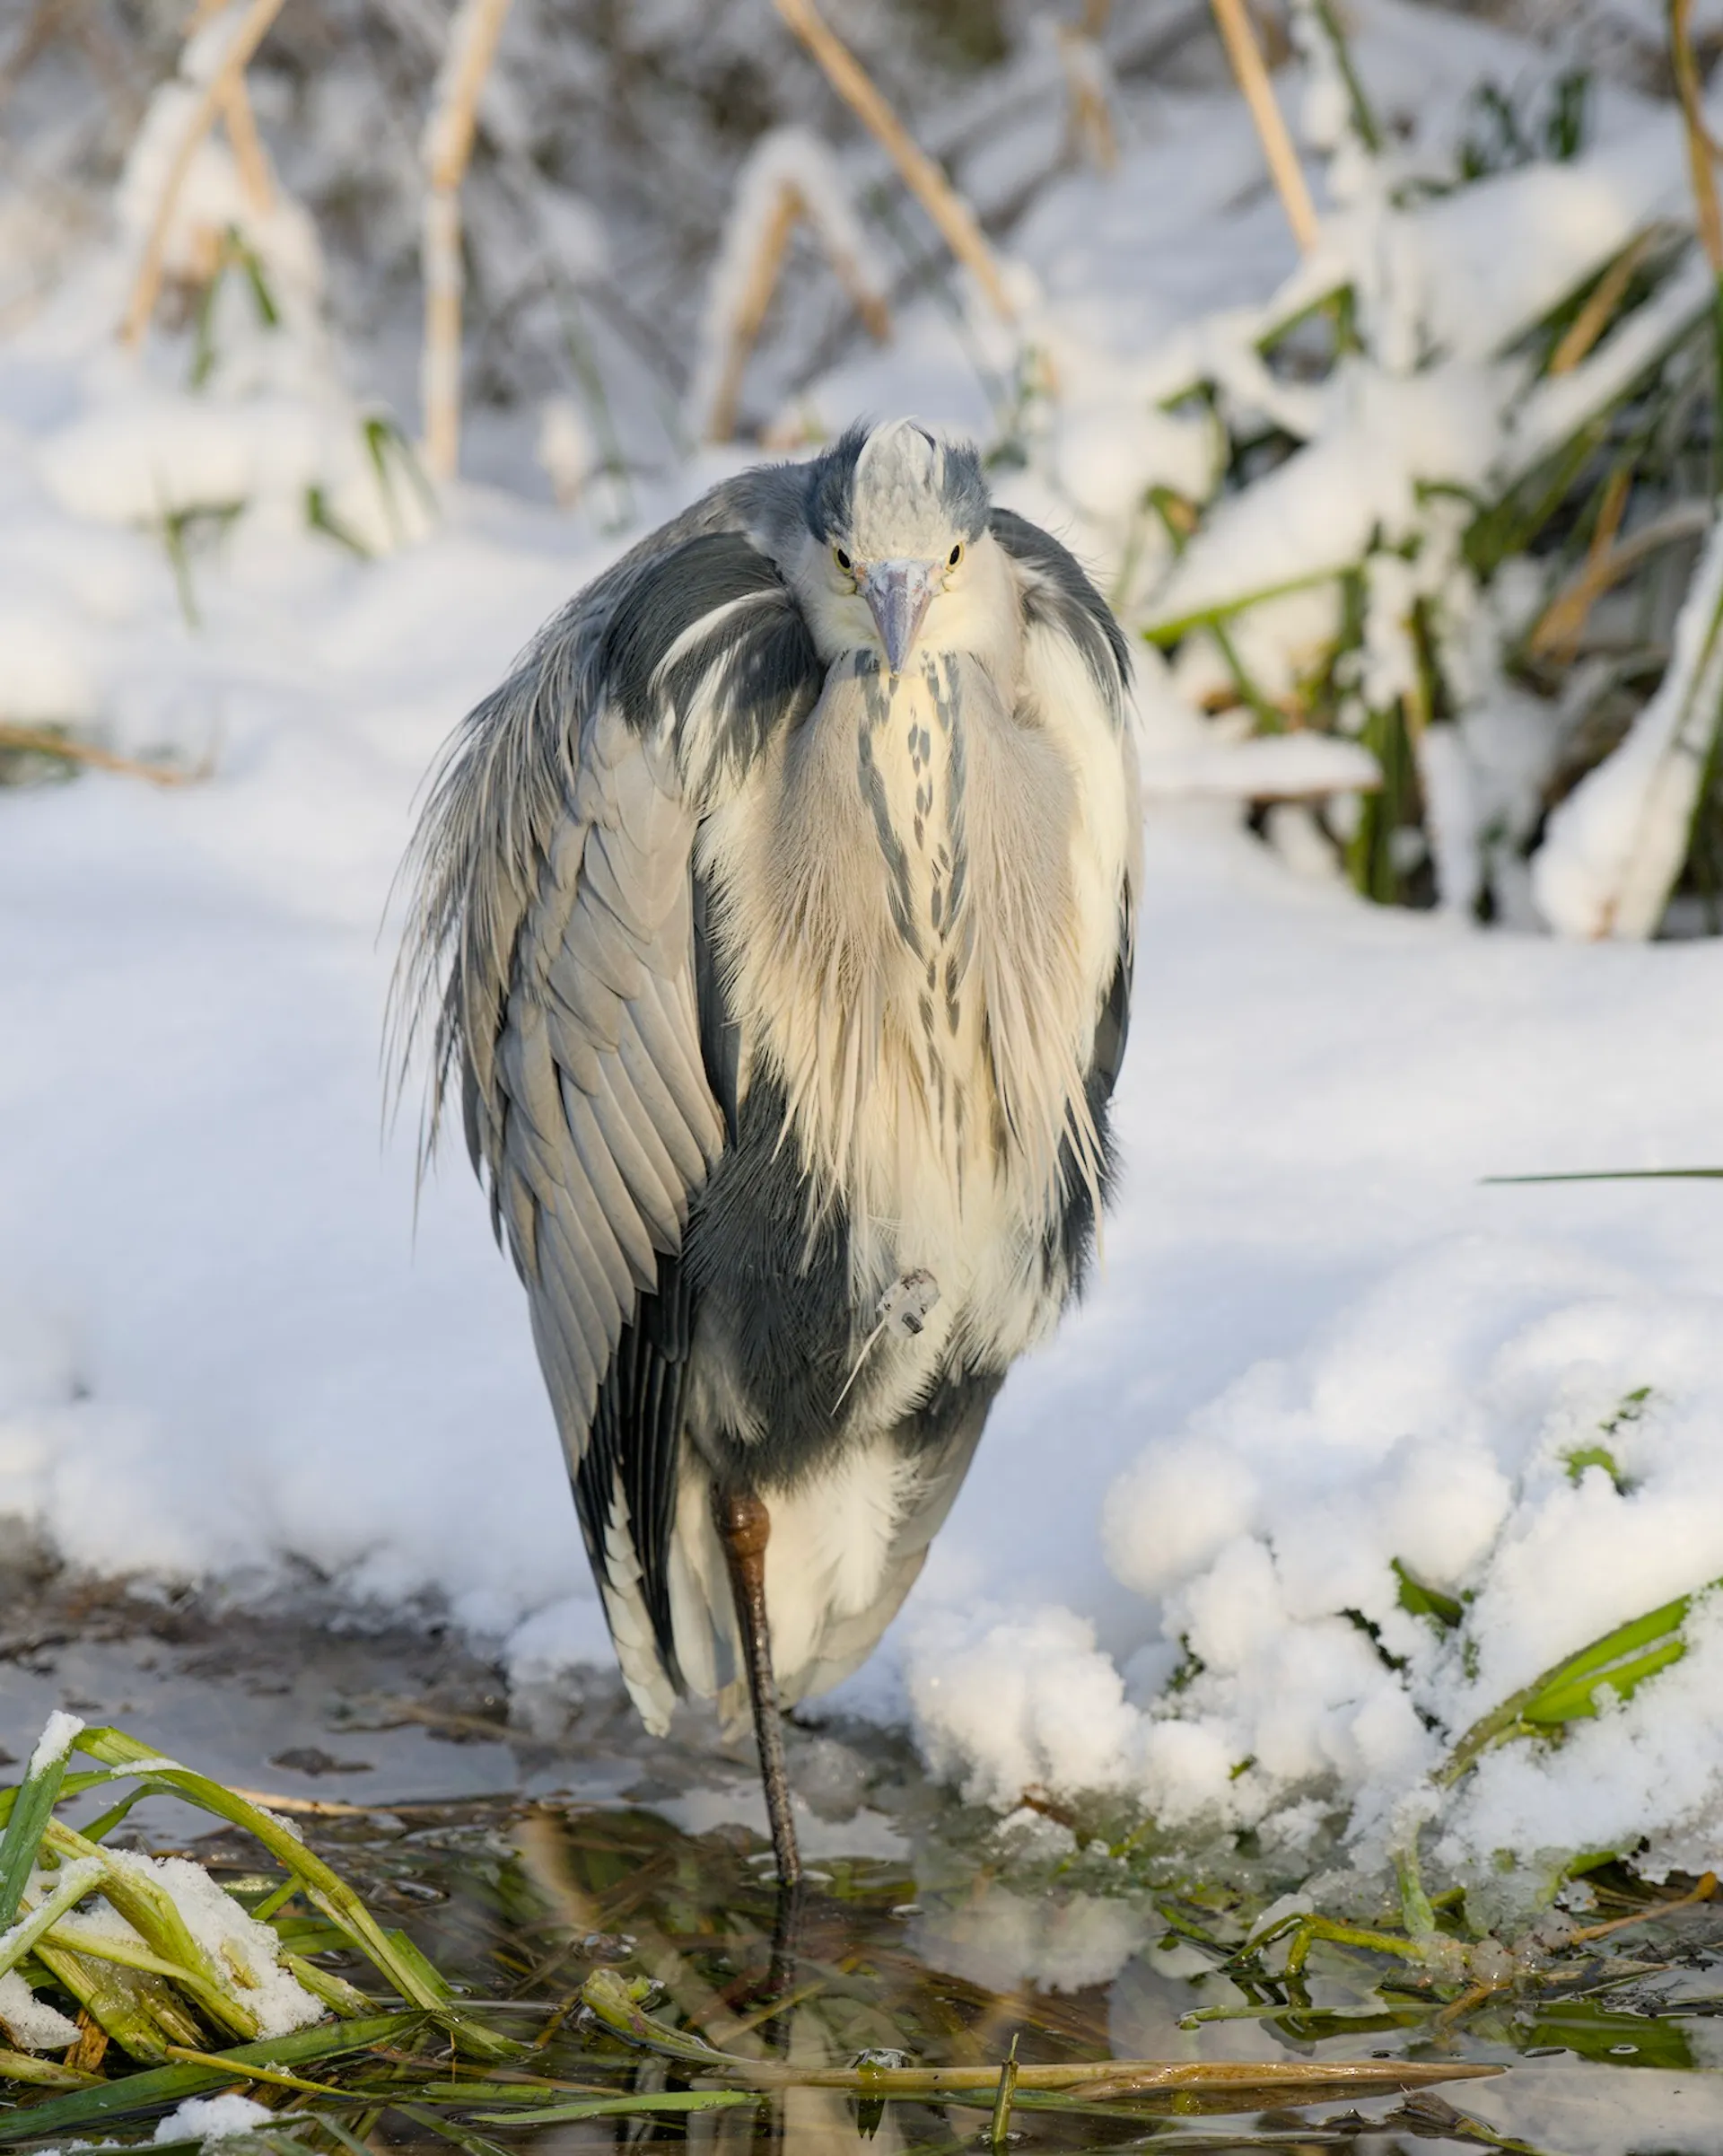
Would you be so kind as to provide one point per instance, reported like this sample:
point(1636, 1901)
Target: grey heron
point(774, 917)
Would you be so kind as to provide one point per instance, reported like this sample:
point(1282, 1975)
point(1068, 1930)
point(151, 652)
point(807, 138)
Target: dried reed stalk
point(240, 122)
point(446, 150)
point(41, 741)
point(215, 96)
point(1240, 41)
point(870, 304)
point(1558, 629)
point(1599, 310)
point(763, 274)
point(1700, 148)
point(609, 1999)
point(757, 297)
point(953, 217)
point(1089, 127)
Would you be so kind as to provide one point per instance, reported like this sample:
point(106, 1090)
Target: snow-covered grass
point(1316, 1478)
point(157, 1954)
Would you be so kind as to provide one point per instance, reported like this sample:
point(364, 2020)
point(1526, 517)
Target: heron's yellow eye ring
point(841, 559)
point(955, 557)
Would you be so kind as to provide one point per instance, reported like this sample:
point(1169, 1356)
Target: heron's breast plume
point(901, 934)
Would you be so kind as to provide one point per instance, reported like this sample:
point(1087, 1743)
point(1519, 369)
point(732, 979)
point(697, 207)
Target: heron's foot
point(745, 1527)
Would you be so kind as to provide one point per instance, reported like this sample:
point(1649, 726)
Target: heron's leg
point(744, 1526)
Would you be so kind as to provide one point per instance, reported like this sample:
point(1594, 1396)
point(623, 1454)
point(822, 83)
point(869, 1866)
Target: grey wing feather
point(557, 941)
point(1055, 589)
point(612, 1164)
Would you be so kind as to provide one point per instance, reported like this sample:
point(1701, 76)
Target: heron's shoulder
point(711, 644)
point(1058, 593)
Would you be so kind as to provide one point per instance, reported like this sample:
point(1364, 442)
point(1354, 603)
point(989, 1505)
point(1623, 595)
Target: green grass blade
point(164, 2085)
point(335, 1992)
point(1444, 1611)
point(614, 2000)
point(153, 1916)
point(1574, 1702)
point(22, 2067)
point(1565, 1692)
point(620, 2107)
point(78, 1880)
point(1616, 1646)
point(447, 2129)
point(72, 1785)
point(401, 1964)
point(30, 1811)
point(100, 1828)
point(1219, 611)
point(119, 2002)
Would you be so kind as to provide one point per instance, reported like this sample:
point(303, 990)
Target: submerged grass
point(533, 2008)
point(600, 1975)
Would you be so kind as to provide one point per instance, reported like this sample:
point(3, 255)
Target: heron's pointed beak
point(897, 594)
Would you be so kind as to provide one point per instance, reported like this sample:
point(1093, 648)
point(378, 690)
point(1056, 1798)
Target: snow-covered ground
point(1319, 1343)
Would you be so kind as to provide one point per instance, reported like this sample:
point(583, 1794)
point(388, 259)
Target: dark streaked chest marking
point(876, 708)
point(921, 838)
point(945, 684)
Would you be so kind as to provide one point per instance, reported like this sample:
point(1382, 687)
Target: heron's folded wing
point(596, 1127)
point(594, 1105)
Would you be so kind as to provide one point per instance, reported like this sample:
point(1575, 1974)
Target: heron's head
point(899, 551)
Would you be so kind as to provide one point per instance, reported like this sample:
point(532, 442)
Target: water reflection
point(520, 1858)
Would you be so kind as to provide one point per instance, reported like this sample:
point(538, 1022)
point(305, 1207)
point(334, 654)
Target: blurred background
point(1380, 397)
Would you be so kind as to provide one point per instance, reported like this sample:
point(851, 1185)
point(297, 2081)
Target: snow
point(248, 1952)
point(56, 1740)
point(29, 2023)
point(1262, 766)
point(1616, 844)
point(208, 2118)
point(235, 1346)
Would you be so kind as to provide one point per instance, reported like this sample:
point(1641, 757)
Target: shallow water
point(523, 1853)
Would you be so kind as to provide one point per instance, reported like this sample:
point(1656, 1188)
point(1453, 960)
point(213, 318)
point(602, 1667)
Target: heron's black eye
point(955, 557)
point(841, 559)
